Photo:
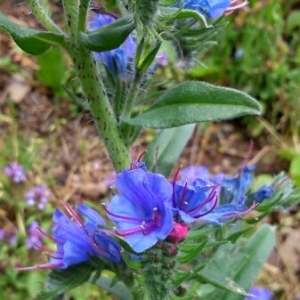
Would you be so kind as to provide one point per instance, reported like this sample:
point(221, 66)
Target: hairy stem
point(133, 92)
point(43, 16)
point(71, 9)
point(101, 110)
point(92, 85)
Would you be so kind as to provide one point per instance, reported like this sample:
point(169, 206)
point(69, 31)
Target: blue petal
point(143, 189)
point(109, 248)
point(223, 213)
point(234, 189)
point(191, 173)
point(260, 293)
point(261, 194)
point(217, 8)
point(74, 254)
point(92, 218)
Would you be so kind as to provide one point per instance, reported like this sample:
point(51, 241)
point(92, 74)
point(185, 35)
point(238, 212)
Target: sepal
point(190, 251)
point(60, 281)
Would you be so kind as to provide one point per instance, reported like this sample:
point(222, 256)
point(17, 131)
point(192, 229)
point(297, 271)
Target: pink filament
point(73, 214)
point(240, 214)
point(232, 7)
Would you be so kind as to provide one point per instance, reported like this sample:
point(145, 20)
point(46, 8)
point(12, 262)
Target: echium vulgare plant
point(188, 237)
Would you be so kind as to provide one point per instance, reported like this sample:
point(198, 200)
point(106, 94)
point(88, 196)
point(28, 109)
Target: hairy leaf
point(168, 145)
point(192, 102)
point(110, 36)
point(32, 41)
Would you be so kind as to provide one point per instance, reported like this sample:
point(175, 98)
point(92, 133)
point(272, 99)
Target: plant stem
point(43, 16)
point(92, 85)
point(94, 90)
point(20, 222)
point(133, 92)
point(121, 7)
point(83, 10)
point(71, 9)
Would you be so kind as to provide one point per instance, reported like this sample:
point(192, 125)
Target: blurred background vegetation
point(256, 50)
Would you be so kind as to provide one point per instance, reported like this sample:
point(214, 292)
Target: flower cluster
point(8, 235)
point(38, 196)
point(146, 210)
point(35, 237)
point(149, 208)
point(15, 172)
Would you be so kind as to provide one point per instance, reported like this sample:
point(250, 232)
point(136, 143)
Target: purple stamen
point(279, 184)
point(173, 185)
point(126, 232)
point(239, 214)
point(140, 157)
point(49, 236)
point(212, 208)
point(156, 216)
point(119, 216)
point(182, 196)
point(246, 160)
point(210, 197)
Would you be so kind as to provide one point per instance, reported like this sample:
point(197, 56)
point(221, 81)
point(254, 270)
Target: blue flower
point(260, 293)
point(261, 194)
point(78, 240)
point(141, 211)
point(193, 201)
point(234, 189)
point(226, 199)
point(213, 8)
point(115, 60)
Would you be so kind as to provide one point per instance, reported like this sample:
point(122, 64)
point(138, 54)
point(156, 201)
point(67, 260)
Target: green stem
point(121, 7)
point(83, 10)
point(20, 222)
point(94, 90)
point(92, 85)
point(133, 92)
point(43, 16)
point(71, 9)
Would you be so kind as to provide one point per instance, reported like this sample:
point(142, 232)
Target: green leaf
point(168, 144)
point(233, 237)
point(237, 273)
point(189, 252)
point(76, 99)
point(110, 36)
point(295, 169)
point(134, 264)
point(181, 276)
point(148, 60)
point(60, 281)
point(52, 62)
point(32, 41)
point(192, 102)
point(118, 289)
